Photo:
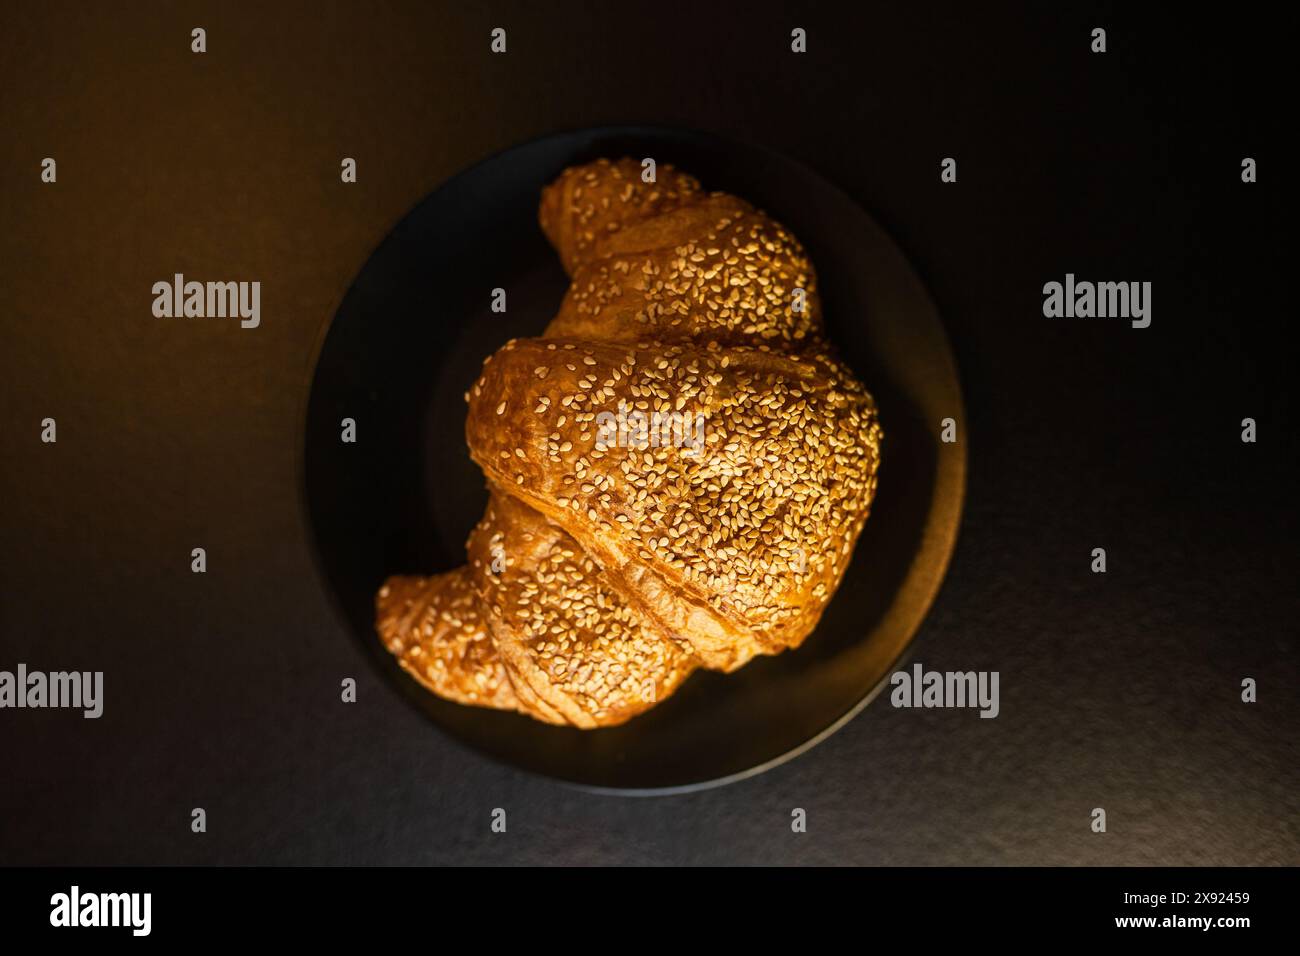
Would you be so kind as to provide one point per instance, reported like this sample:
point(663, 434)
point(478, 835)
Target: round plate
point(408, 341)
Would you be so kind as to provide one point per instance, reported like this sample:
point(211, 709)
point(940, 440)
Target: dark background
point(222, 690)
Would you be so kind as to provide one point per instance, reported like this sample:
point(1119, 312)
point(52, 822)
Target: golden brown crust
point(558, 626)
point(681, 465)
point(735, 542)
point(433, 627)
point(587, 205)
point(710, 268)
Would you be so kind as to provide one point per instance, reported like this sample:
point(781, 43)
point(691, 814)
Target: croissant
point(679, 467)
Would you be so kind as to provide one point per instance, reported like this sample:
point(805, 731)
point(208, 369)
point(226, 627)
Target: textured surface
point(1118, 690)
point(707, 541)
point(693, 434)
point(434, 627)
point(566, 633)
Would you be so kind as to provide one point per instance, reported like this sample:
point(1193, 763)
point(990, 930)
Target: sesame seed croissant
point(679, 466)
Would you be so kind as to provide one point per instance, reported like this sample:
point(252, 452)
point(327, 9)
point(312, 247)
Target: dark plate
point(409, 339)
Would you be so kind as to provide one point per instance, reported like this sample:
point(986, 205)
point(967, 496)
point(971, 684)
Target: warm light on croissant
point(679, 467)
